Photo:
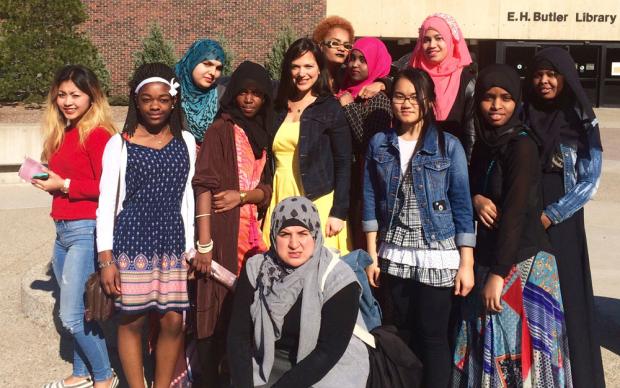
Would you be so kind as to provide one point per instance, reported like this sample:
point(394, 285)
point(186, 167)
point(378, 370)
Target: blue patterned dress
point(149, 236)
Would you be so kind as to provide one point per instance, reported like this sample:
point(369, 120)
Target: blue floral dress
point(149, 236)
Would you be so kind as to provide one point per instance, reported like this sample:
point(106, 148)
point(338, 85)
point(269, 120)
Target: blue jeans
point(73, 262)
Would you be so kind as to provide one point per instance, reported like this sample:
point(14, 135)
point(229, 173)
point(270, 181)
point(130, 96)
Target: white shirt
point(114, 163)
point(406, 148)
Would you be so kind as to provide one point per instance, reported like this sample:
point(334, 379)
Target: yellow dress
point(287, 183)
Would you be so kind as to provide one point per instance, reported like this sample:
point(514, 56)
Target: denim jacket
point(325, 152)
point(358, 260)
point(440, 181)
point(582, 174)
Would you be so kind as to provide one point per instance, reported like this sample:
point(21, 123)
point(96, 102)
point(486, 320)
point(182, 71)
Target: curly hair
point(327, 24)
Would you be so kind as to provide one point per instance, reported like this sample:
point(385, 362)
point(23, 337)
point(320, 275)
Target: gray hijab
point(278, 286)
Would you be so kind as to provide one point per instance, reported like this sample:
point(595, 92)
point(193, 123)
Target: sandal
point(87, 383)
point(115, 381)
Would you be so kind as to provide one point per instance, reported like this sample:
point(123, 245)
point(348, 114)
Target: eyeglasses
point(400, 99)
point(337, 43)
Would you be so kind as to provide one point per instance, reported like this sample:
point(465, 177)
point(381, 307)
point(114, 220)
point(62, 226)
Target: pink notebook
point(219, 273)
point(29, 168)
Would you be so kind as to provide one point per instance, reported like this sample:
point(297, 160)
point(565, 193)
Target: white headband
point(172, 83)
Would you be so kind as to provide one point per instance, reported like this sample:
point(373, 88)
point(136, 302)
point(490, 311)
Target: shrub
point(37, 37)
point(155, 49)
point(273, 64)
point(230, 55)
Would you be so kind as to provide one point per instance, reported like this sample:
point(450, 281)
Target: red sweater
point(81, 164)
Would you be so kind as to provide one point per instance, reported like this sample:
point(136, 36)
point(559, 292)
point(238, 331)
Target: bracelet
point(203, 215)
point(204, 248)
point(105, 264)
point(242, 195)
point(65, 186)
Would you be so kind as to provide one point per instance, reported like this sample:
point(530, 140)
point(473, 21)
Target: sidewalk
point(31, 351)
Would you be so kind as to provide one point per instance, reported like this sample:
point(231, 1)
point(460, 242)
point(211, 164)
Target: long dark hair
point(143, 72)
point(286, 87)
point(425, 98)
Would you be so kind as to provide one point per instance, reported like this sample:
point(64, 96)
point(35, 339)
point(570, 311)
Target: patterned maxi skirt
point(523, 346)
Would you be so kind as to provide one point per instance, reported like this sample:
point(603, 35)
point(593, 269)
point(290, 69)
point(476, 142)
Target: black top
point(460, 121)
point(338, 318)
point(511, 179)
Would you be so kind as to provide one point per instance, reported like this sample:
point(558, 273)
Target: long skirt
point(523, 346)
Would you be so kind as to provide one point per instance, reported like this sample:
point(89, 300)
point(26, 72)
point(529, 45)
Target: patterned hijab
point(378, 59)
point(200, 105)
point(447, 74)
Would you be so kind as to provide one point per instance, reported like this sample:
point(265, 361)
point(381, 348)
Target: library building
point(507, 32)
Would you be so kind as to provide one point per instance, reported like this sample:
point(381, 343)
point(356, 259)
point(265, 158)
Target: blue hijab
point(200, 105)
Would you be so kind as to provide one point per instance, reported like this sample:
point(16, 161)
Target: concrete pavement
point(26, 238)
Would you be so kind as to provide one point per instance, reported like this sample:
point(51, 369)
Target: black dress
point(570, 247)
point(569, 120)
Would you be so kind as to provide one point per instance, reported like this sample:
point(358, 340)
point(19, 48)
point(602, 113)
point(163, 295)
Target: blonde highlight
point(54, 122)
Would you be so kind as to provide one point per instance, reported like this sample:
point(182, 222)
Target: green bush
point(118, 100)
point(155, 49)
point(284, 40)
point(38, 37)
point(230, 55)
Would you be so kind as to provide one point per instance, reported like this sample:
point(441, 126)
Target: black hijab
point(564, 119)
point(507, 78)
point(250, 74)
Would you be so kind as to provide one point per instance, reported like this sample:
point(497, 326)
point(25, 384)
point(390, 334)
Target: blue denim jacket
point(440, 181)
point(358, 260)
point(582, 174)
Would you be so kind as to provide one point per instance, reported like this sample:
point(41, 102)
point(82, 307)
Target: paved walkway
point(31, 353)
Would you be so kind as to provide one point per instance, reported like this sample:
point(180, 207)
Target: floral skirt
point(523, 346)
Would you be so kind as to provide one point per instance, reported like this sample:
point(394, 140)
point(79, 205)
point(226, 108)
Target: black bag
point(392, 363)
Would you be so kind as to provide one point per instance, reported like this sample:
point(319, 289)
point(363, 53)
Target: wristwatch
point(65, 186)
point(242, 195)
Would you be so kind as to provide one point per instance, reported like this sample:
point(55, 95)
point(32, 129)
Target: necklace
point(157, 137)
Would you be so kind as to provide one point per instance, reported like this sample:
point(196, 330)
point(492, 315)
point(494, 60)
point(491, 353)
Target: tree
point(38, 37)
point(273, 64)
point(155, 49)
point(230, 55)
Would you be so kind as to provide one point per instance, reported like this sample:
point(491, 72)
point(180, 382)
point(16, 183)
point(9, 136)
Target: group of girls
point(400, 165)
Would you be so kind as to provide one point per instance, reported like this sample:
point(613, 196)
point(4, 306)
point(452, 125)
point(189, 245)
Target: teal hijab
point(200, 105)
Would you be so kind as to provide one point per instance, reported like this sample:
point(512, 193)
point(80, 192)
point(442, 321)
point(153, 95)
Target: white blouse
point(115, 163)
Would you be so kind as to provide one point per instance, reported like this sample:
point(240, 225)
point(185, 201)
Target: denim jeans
point(73, 262)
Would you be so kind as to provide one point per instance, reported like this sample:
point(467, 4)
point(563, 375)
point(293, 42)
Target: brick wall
point(117, 27)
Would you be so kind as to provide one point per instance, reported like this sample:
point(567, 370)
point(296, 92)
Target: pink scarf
point(378, 59)
point(447, 74)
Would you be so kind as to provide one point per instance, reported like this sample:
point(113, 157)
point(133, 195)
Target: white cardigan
point(115, 162)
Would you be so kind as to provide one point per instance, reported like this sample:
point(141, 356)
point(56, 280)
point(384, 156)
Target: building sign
point(579, 17)
point(572, 20)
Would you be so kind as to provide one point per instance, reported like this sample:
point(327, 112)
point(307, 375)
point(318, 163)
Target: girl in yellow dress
point(311, 150)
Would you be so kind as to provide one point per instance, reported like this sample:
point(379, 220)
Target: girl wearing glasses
point(335, 36)
point(418, 221)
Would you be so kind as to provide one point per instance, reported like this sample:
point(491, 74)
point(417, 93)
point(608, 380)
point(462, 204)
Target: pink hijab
point(378, 59)
point(447, 74)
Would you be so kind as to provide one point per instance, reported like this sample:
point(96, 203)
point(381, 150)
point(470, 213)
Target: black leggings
point(422, 315)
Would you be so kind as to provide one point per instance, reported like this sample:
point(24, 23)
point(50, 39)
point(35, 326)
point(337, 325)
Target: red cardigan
point(81, 164)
